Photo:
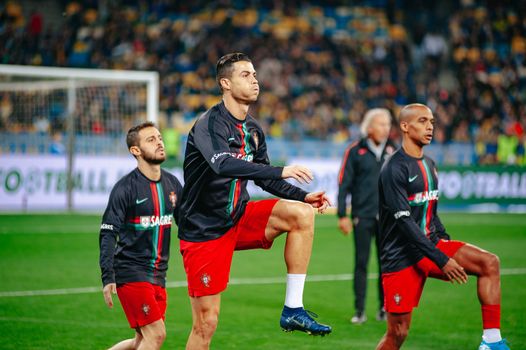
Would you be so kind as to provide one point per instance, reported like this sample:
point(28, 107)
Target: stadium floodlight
point(90, 108)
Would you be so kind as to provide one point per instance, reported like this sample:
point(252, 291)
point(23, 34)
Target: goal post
point(93, 108)
point(91, 75)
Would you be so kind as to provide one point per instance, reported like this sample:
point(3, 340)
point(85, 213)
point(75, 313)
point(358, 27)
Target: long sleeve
point(394, 184)
point(212, 142)
point(279, 188)
point(112, 221)
point(345, 178)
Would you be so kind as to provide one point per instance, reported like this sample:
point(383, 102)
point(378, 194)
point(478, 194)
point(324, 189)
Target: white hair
point(369, 116)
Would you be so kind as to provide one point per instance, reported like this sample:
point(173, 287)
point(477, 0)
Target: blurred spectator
point(507, 148)
point(320, 65)
point(56, 146)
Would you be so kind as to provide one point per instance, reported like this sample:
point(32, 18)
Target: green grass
point(41, 252)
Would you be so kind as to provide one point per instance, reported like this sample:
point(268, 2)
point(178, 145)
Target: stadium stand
point(321, 66)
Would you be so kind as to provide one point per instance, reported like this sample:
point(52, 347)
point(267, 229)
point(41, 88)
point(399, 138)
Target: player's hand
point(318, 200)
point(345, 225)
point(302, 174)
point(107, 291)
point(455, 272)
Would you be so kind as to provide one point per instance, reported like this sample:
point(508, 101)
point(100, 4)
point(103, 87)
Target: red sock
point(490, 316)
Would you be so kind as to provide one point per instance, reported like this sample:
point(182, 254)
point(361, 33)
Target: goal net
point(42, 109)
point(69, 113)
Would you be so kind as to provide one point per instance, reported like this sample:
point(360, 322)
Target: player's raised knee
point(302, 214)
point(491, 263)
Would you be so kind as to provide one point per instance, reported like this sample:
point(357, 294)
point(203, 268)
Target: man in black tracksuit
point(226, 148)
point(135, 238)
point(359, 177)
point(414, 245)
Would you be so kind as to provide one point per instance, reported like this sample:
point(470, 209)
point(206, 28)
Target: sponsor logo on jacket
point(247, 157)
point(423, 197)
point(153, 220)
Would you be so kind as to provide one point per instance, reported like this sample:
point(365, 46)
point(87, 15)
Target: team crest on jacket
point(173, 198)
point(255, 137)
point(397, 299)
point(205, 280)
point(145, 221)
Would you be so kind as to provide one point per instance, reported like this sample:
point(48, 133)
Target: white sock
point(295, 284)
point(491, 335)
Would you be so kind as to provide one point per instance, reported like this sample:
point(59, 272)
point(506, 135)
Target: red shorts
point(207, 264)
point(143, 302)
point(402, 289)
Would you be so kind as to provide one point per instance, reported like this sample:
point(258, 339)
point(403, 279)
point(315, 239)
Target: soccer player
point(226, 147)
point(359, 177)
point(414, 243)
point(135, 239)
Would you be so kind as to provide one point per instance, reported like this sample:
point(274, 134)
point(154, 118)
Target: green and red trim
point(428, 206)
point(159, 211)
point(235, 185)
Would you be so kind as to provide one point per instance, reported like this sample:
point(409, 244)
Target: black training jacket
point(222, 154)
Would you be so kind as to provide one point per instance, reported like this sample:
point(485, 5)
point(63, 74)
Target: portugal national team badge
point(145, 309)
point(145, 221)
point(397, 299)
point(173, 198)
point(205, 279)
point(255, 137)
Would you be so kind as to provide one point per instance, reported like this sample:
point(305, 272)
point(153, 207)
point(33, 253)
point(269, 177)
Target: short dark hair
point(225, 64)
point(132, 138)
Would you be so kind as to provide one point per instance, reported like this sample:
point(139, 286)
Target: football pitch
point(50, 292)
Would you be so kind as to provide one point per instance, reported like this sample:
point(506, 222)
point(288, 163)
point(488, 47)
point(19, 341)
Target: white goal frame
point(71, 78)
point(73, 74)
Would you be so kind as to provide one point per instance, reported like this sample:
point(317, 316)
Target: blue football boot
point(299, 319)
point(499, 345)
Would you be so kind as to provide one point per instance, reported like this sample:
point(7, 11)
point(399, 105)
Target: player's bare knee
point(491, 264)
point(302, 215)
point(156, 338)
point(210, 322)
point(160, 336)
point(398, 333)
point(401, 334)
point(207, 324)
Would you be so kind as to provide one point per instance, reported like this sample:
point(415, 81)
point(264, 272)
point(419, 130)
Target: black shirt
point(222, 154)
point(135, 231)
point(359, 177)
point(409, 225)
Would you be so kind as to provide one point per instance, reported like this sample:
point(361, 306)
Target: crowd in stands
point(320, 66)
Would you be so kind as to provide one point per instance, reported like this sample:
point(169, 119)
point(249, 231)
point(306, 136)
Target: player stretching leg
point(226, 147)
point(414, 243)
point(139, 213)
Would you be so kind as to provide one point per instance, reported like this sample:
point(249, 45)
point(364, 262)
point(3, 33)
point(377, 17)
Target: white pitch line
point(233, 281)
point(92, 324)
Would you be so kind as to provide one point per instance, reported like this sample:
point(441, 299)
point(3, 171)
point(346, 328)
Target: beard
point(152, 158)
